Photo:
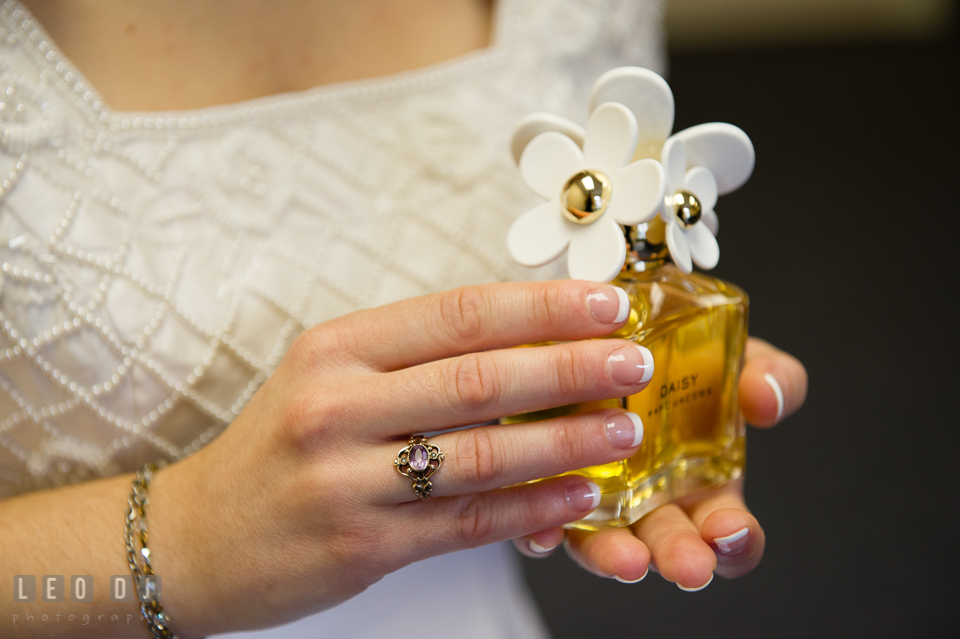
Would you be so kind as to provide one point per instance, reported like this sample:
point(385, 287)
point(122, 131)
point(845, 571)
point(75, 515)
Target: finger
point(615, 552)
point(773, 384)
point(489, 457)
point(478, 387)
point(540, 544)
point(477, 318)
point(676, 547)
point(727, 526)
point(446, 524)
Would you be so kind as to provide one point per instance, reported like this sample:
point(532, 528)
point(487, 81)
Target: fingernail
point(631, 365)
point(538, 549)
point(627, 581)
point(609, 304)
point(775, 385)
point(624, 430)
point(584, 496)
point(732, 544)
point(698, 588)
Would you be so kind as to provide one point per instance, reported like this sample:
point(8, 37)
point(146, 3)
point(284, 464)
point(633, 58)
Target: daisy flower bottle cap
point(625, 180)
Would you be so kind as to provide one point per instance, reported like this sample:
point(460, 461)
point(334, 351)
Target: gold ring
point(418, 461)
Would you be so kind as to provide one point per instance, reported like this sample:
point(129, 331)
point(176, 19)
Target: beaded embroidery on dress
point(155, 266)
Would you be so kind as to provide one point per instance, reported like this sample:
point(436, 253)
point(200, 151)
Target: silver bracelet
point(138, 555)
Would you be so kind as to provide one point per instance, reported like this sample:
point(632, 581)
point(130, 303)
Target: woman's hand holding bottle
point(297, 506)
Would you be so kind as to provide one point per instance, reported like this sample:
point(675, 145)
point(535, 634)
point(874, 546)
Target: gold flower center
point(686, 208)
point(585, 196)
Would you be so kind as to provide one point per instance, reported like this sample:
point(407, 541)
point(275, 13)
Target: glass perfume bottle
point(696, 328)
point(629, 202)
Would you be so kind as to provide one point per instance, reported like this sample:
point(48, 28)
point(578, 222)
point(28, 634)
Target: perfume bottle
point(693, 433)
point(643, 223)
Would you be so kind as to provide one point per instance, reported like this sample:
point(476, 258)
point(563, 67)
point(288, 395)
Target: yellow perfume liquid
point(696, 328)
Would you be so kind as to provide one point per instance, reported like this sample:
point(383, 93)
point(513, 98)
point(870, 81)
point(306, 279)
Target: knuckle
point(297, 413)
point(549, 303)
point(461, 313)
point(571, 371)
point(538, 512)
point(475, 522)
point(307, 418)
point(568, 445)
point(303, 350)
point(359, 544)
point(474, 382)
point(477, 458)
point(313, 346)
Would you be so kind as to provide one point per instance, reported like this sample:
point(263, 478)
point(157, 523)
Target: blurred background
point(846, 238)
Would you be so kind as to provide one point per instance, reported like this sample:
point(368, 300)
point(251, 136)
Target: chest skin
point(185, 54)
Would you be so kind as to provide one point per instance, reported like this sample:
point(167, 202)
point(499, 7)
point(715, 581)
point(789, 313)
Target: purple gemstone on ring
point(419, 458)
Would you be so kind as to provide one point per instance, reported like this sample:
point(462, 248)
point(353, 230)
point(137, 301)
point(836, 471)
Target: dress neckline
point(58, 69)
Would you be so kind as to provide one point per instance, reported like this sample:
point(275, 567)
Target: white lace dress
point(155, 266)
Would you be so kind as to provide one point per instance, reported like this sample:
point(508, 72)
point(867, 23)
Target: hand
point(297, 506)
point(706, 533)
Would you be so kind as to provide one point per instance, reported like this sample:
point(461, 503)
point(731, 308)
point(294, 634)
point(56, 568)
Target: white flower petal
point(674, 160)
point(703, 246)
point(539, 235)
point(611, 138)
point(647, 95)
point(597, 251)
point(666, 213)
point(700, 182)
point(679, 251)
point(724, 149)
point(709, 217)
point(548, 161)
point(638, 191)
point(536, 123)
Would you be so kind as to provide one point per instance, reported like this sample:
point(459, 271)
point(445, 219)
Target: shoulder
point(568, 44)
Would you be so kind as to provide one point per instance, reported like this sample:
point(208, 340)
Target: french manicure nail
point(732, 544)
point(635, 581)
point(538, 549)
point(624, 430)
point(631, 365)
point(609, 304)
point(583, 496)
point(698, 588)
point(775, 385)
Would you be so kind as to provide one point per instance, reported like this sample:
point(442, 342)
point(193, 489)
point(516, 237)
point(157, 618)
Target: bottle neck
point(646, 249)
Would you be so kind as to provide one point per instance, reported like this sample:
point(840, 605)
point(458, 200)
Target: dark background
point(846, 238)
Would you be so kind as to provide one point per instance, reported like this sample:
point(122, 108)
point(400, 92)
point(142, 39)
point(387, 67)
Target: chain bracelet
point(138, 555)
